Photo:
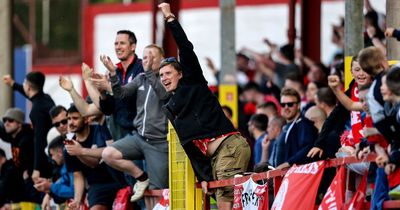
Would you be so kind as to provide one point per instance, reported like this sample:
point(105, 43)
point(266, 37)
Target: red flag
point(300, 184)
point(357, 202)
point(334, 196)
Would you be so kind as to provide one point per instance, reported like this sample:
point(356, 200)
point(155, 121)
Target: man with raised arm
point(216, 150)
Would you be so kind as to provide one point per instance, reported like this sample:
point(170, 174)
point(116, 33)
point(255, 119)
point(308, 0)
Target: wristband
point(169, 17)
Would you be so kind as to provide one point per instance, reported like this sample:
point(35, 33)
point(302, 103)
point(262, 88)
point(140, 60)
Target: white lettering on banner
point(331, 200)
point(311, 168)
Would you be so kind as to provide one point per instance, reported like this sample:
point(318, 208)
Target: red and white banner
point(164, 202)
point(250, 196)
point(357, 202)
point(299, 187)
point(334, 197)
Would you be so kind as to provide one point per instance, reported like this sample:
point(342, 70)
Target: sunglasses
point(289, 104)
point(57, 124)
point(170, 60)
point(8, 120)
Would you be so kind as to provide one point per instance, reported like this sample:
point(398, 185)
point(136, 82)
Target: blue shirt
point(258, 148)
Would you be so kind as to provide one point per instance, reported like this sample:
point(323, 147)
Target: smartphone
point(68, 142)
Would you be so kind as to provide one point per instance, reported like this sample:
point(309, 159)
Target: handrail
point(282, 172)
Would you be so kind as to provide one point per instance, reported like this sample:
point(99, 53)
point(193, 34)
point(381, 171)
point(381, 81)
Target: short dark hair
point(132, 36)
point(326, 96)
point(287, 50)
point(173, 62)
point(392, 80)
point(260, 121)
point(268, 104)
point(72, 109)
point(36, 79)
point(251, 86)
point(57, 142)
point(56, 110)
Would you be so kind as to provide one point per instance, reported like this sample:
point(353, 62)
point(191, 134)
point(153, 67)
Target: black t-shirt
point(100, 174)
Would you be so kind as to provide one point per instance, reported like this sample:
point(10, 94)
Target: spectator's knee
point(109, 154)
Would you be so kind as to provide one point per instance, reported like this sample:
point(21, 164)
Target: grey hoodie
point(150, 121)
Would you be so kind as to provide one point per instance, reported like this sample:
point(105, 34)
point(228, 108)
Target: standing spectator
point(274, 128)
point(257, 126)
point(209, 139)
point(149, 140)
point(32, 88)
point(127, 69)
point(82, 157)
point(11, 183)
point(297, 136)
point(268, 108)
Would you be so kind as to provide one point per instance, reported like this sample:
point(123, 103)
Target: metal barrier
point(277, 176)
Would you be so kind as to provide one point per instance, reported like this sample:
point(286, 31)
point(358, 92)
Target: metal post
point(311, 29)
point(227, 88)
point(292, 19)
point(6, 53)
point(228, 53)
point(353, 33)
point(393, 21)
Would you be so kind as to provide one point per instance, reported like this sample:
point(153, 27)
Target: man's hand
point(107, 62)
point(46, 202)
point(389, 32)
point(371, 31)
point(43, 185)
point(101, 83)
point(389, 168)
point(204, 187)
point(283, 165)
point(315, 151)
point(148, 61)
point(382, 160)
point(74, 205)
point(334, 82)
point(35, 176)
point(165, 9)
point(8, 80)
point(74, 149)
point(265, 142)
point(66, 83)
point(87, 72)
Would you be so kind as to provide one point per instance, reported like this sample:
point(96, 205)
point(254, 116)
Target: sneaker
point(138, 190)
point(395, 193)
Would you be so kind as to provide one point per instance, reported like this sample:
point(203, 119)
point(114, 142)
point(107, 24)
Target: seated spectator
point(150, 139)
point(11, 182)
point(59, 119)
point(297, 136)
point(62, 188)
point(20, 135)
point(82, 157)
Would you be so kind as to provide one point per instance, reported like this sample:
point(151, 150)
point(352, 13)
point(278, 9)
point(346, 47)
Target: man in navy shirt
point(82, 157)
